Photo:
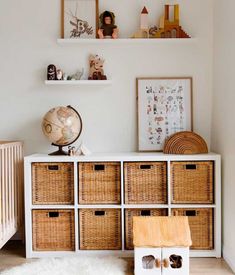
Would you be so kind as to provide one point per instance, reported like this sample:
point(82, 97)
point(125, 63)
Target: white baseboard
point(229, 260)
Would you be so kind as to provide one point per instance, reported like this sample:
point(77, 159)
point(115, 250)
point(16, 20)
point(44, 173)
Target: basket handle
point(99, 167)
point(145, 166)
point(145, 213)
point(99, 213)
point(191, 213)
point(53, 214)
point(53, 167)
point(191, 167)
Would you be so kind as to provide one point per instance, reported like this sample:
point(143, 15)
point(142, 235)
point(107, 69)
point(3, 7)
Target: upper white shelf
point(68, 41)
point(79, 82)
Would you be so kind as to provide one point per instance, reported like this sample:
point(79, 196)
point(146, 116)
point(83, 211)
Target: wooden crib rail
point(11, 189)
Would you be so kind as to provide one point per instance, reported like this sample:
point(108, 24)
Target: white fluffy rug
point(79, 265)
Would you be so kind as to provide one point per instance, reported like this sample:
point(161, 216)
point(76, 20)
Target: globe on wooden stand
point(62, 126)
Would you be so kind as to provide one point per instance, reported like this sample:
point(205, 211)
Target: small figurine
point(71, 151)
point(82, 150)
point(65, 76)
point(108, 29)
point(51, 72)
point(96, 71)
point(77, 75)
point(59, 75)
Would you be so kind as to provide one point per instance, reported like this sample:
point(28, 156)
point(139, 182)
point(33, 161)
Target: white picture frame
point(164, 107)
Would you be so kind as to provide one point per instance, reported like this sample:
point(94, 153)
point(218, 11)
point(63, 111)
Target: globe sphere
point(62, 125)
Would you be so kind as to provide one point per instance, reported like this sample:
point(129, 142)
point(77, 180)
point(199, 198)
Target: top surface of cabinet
point(122, 156)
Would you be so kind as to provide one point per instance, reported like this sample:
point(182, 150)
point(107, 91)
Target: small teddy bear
point(96, 71)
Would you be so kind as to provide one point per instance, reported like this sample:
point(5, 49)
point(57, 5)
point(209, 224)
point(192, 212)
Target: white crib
point(11, 190)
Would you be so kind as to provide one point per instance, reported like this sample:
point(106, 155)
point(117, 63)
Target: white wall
point(223, 130)
point(28, 33)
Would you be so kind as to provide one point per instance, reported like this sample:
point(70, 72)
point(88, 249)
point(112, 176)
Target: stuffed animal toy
point(96, 71)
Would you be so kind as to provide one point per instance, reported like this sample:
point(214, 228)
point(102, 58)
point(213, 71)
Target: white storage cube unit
point(162, 261)
point(204, 219)
point(161, 245)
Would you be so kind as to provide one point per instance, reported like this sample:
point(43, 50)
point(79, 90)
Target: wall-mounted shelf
point(79, 82)
point(127, 41)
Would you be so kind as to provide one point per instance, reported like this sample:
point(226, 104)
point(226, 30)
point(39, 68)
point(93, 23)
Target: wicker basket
point(145, 182)
point(100, 229)
point(99, 183)
point(53, 230)
point(129, 214)
point(201, 226)
point(192, 182)
point(52, 183)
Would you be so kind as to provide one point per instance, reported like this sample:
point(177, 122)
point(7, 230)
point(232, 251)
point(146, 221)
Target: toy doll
point(108, 29)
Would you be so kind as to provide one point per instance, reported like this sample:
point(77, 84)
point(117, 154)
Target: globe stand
point(60, 152)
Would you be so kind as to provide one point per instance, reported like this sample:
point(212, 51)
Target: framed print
point(164, 108)
point(79, 18)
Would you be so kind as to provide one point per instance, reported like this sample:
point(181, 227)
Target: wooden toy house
point(161, 245)
point(170, 24)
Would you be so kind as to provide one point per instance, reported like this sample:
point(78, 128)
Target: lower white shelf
point(79, 82)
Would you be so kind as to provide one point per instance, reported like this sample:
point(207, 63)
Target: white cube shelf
point(122, 158)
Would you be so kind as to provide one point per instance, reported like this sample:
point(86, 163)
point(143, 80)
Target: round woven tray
point(185, 143)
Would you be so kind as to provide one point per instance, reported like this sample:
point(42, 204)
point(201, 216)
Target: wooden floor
point(13, 254)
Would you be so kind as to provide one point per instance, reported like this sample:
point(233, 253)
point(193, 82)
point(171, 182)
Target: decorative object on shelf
point(96, 71)
point(164, 108)
point(169, 24)
point(71, 151)
point(62, 126)
point(59, 74)
point(144, 25)
point(82, 150)
point(107, 29)
point(185, 143)
point(79, 18)
point(153, 30)
point(51, 72)
point(77, 76)
point(158, 246)
point(65, 76)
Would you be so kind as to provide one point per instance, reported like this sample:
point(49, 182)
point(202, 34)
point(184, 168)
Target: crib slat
point(11, 189)
point(1, 199)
